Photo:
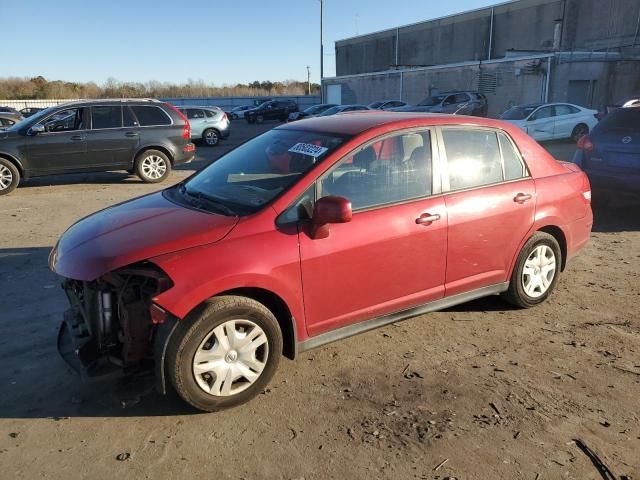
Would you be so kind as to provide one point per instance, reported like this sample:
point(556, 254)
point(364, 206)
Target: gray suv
point(455, 103)
point(145, 137)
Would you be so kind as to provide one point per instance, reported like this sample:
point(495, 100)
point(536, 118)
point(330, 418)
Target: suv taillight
point(586, 188)
point(224, 116)
point(585, 143)
point(186, 128)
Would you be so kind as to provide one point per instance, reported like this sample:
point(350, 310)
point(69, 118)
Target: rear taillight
point(186, 128)
point(224, 116)
point(585, 143)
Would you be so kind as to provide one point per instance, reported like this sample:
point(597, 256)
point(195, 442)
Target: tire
point(579, 131)
point(152, 166)
point(188, 354)
point(9, 176)
point(529, 290)
point(211, 137)
point(259, 119)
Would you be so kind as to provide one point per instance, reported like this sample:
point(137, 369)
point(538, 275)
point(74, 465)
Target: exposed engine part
point(109, 323)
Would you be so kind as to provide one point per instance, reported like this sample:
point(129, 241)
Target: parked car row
point(145, 137)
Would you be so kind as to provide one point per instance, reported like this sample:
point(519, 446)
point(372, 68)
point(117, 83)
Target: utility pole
point(308, 80)
point(321, 51)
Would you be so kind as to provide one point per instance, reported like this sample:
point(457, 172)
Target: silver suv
point(209, 124)
point(456, 103)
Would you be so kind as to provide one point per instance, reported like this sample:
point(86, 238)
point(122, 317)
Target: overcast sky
point(218, 41)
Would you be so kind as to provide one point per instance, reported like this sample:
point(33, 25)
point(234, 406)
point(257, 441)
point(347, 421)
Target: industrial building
point(581, 51)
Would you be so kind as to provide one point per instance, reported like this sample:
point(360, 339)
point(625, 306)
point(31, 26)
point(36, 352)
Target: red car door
point(491, 206)
point(392, 254)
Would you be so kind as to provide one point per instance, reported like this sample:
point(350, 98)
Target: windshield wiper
point(203, 197)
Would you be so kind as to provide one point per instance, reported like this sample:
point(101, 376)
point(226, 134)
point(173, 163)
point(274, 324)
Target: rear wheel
point(211, 137)
point(259, 119)
point(9, 176)
point(153, 166)
point(536, 271)
point(225, 353)
point(579, 131)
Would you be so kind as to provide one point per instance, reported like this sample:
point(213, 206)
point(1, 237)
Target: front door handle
point(427, 219)
point(77, 138)
point(131, 134)
point(522, 197)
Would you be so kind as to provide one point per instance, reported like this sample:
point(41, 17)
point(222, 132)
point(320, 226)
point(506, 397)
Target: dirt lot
point(483, 390)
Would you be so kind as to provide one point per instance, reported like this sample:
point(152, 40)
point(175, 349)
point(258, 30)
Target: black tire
point(152, 166)
point(197, 328)
point(516, 294)
point(579, 131)
point(211, 137)
point(259, 119)
point(9, 176)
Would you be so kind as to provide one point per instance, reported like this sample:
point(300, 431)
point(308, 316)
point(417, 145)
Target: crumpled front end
point(112, 326)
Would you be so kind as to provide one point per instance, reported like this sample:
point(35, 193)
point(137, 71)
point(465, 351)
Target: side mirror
point(328, 210)
point(36, 129)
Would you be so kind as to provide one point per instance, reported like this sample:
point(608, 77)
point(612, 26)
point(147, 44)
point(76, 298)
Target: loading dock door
point(334, 94)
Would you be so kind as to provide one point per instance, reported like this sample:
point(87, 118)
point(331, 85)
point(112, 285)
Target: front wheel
point(259, 119)
point(224, 353)
point(9, 176)
point(536, 271)
point(152, 166)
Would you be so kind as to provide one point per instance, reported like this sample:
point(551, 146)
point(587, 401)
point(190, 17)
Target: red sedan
point(309, 233)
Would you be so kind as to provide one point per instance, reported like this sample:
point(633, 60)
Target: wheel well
point(154, 147)
point(558, 234)
point(279, 309)
point(14, 162)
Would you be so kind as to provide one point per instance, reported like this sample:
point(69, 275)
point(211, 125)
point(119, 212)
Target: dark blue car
point(610, 154)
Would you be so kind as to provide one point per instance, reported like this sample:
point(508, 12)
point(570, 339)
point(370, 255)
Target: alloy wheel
point(154, 167)
point(6, 177)
point(539, 270)
point(211, 138)
point(230, 358)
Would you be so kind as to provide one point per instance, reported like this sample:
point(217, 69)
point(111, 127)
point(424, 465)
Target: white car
point(552, 121)
point(238, 112)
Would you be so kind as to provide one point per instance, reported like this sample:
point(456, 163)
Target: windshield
point(331, 111)
point(35, 118)
point(255, 173)
point(431, 101)
point(518, 113)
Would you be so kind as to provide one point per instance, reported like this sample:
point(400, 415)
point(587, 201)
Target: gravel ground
point(475, 392)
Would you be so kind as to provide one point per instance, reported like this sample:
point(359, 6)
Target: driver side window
point(65, 121)
point(545, 112)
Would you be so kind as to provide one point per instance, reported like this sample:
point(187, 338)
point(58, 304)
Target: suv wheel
point(9, 177)
point(153, 166)
point(259, 119)
point(211, 137)
point(225, 353)
point(536, 272)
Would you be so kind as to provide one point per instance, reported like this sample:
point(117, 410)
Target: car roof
point(109, 101)
point(359, 122)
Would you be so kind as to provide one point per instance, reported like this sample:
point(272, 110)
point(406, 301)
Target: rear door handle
point(427, 219)
point(77, 138)
point(522, 197)
point(131, 134)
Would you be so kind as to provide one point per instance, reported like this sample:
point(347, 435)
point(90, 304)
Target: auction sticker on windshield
point(308, 149)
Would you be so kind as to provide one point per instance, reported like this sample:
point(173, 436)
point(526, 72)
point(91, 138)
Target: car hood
point(132, 232)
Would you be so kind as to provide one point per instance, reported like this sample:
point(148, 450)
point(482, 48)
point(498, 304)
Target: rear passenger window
point(106, 117)
point(129, 119)
point(151, 116)
point(194, 113)
point(513, 167)
point(395, 169)
point(473, 158)
point(208, 113)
